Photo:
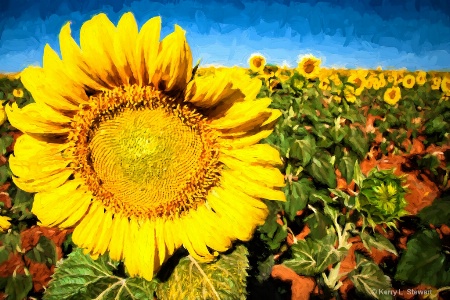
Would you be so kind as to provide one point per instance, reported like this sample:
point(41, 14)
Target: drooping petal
point(262, 154)
point(63, 206)
point(119, 229)
point(207, 91)
point(37, 119)
point(174, 63)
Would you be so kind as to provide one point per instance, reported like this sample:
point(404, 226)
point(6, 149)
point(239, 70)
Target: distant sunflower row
point(350, 83)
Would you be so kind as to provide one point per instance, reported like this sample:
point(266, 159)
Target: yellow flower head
point(324, 84)
point(392, 95)
point(18, 93)
point(445, 84)
point(3, 116)
point(349, 93)
point(309, 66)
point(257, 62)
point(436, 82)
point(359, 82)
point(421, 78)
point(408, 81)
point(141, 157)
point(4, 223)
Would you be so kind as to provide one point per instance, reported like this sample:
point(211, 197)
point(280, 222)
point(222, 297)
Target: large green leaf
point(312, 257)
point(437, 213)
point(297, 196)
point(357, 142)
point(80, 277)
point(322, 169)
point(222, 279)
point(347, 166)
point(370, 280)
point(377, 241)
point(18, 286)
point(303, 150)
point(424, 261)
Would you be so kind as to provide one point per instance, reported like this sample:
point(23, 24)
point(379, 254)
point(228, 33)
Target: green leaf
point(358, 176)
point(303, 150)
point(357, 142)
point(5, 174)
point(222, 279)
point(297, 196)
point(22, 203)
point(370, 280)
point(5, 142)
point(312, 257)
point(18, 286)
point(272, 233)
point(318, 223)
point(347, 167)
point(424, 261)
point(437, 213)
point(43, 252)
point(4, 254)
point(377, 241)
point(322, 169)
point(79, 277)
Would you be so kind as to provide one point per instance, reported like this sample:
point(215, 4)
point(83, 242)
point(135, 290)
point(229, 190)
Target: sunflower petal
point(207, 91)
point(120, 227)
point(262, 154)
point(58, 206)
point(147, 46)
point(76, 65)
point(37, 119)
point(174, 63)
point(244, 141)
point(97, 45)
point(124, 47)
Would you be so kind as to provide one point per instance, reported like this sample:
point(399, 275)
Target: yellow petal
point(57, 207)
point(244, 141)
point(37, 119)
point(76, 66)
point(97, 45)
point(266, 120)
point(251, 187)
point(207, 91)
point(147, 46)
point(119, 229)
point(86, 232)
point(192, 240)
point(210, 224)
point(174, 63)
point(43, 184)
point(269, 176)
point(124, 47)
point(104, 234)
point(240, 113)
point(263, 154)
point(140, 249)
point(160, 241)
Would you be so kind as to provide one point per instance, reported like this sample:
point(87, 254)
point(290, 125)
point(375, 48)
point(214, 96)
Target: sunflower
point(2, 113)
point(257, 62)
point(309, 66)
point(18, 93)
point(445, 84)
point(408, 81)
point(4, 223)
point(137, 155)
point(358, 81)
point(392, 95)
point(421, 77)
point(436, 82)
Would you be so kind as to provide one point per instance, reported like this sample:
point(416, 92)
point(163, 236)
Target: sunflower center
point(309, 66)
point(145, 154)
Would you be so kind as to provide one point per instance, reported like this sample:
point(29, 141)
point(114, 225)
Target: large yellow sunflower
point(139, 157)
point(309, 66)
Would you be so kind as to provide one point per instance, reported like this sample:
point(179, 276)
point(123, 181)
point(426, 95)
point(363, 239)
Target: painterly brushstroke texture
point(368, 33)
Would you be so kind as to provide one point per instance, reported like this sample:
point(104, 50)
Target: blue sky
point(393, 34)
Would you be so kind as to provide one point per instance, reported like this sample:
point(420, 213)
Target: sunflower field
point(138, 175)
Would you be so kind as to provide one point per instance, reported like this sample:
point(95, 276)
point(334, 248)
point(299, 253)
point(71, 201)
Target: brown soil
point(301, 286)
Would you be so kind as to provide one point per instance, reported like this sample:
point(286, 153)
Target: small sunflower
point(358, 80)
point(3, 116)
point(257, 62)
point(421, 78)
point(309, 66)
point(408, 81)
point(136, 154)
point(436, 82)
point(349, 93)
point(18, 93)
point(324, 84)
point(4, 223)
point(392, 95)
point(445, 84)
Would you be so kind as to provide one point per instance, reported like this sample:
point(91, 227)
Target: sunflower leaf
point(18, 285)
point(81, 277)
point(222, 279)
